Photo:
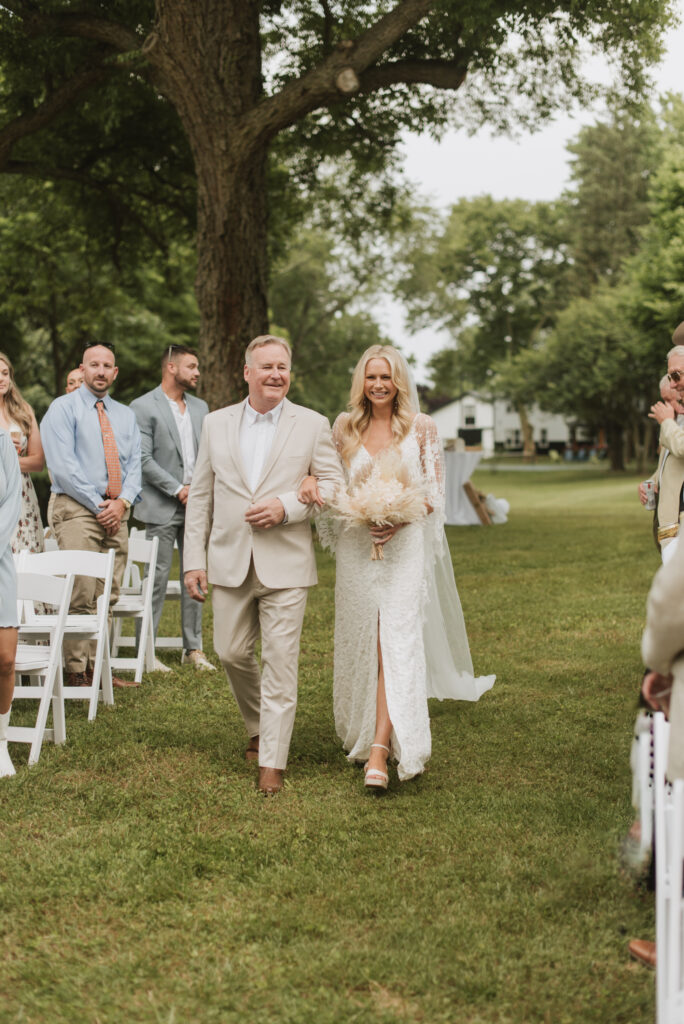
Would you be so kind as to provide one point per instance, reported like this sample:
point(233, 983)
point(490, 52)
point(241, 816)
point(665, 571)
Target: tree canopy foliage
point(169, 118)
point(577, 318)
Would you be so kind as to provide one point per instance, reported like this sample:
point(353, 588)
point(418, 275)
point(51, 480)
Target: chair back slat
point(56, 563)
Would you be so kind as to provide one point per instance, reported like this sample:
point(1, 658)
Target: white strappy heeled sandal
point(375, 778)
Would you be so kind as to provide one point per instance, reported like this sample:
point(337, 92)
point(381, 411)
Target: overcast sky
point(531, 167)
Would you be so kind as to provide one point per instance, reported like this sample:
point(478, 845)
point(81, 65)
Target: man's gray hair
point(271, 339)
point(678, 351)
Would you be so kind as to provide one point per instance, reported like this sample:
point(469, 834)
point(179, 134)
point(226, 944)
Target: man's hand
point(265, 514)
point(308, 493)
point(643, 496)
point(196, 584)
point(661, 411)
point(111, 515)
point(656, 690)
point(183, 494)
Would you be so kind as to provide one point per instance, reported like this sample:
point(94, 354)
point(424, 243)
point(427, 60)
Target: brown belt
point(665, 532)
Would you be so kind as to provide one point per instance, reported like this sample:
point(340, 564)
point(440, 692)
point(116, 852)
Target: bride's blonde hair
point(360, 409)
point(17, 408)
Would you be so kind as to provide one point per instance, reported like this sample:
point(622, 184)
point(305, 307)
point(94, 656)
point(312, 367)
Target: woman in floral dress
point(18, 419)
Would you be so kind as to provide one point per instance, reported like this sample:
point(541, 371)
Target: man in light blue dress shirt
point(91, 499)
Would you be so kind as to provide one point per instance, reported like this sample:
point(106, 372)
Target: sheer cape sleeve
point(327, 525)
point(447, 653)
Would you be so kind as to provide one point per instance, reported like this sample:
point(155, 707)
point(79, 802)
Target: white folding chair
point(643, 766)
point(173, 593)
point(43, 661)
point(665, 881)
point(674, 969)
point(135, 602)
point(92, 627)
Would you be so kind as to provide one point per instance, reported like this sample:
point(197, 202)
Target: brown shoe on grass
point(643, 951)
point(270, 781)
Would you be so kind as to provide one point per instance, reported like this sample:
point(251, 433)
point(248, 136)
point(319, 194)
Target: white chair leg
point(115, 637)
point(97, 678)
point(41, 722)
point(58, 716)
point(149, 642)
point(106, 677)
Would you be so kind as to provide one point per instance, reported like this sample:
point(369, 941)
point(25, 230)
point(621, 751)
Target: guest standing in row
point(170, 422)
point(10, 505)
point(18, 419)
point(92, 446)
point(74, 380)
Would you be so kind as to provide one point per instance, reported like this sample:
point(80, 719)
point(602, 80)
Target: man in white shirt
point(248, 535)
point(170, 422)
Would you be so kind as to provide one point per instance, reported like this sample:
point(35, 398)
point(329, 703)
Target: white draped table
point(458, 467)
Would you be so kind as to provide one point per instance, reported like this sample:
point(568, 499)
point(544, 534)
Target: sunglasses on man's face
point(675, 376)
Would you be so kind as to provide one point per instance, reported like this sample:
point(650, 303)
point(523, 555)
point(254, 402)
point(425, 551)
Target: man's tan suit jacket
point(662, 647)
point(218, 539)
point(670, 472)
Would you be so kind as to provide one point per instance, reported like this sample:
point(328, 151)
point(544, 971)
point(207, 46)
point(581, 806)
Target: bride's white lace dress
point(410, 595)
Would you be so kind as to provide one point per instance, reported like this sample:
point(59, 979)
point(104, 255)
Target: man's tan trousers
point(77, 529)
point(267, 700)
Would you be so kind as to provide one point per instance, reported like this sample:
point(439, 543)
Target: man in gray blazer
point(170, 422)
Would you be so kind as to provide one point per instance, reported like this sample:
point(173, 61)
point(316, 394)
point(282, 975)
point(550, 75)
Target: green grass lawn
point(144, 879)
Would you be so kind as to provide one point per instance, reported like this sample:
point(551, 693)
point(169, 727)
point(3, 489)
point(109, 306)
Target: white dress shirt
point(184, 424)
point(257, 432)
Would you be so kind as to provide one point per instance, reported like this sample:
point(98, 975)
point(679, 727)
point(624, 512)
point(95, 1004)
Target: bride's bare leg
point(383, 725)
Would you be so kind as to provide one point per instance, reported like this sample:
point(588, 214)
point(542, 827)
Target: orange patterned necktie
point(111, 452)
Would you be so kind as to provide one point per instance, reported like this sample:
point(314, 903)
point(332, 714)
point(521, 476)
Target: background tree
point(60, 287)
point(597, 369)
point(495, 278)
point(318, 291)
point(120, 98)
point(656, 273)
point(627, 232)
point(615, 227)
point(613, 163)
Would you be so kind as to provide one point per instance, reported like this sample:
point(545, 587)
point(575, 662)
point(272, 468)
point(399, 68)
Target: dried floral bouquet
point(381, 495)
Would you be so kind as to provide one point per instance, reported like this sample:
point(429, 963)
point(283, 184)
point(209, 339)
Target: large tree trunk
point(529, 451)
point(615, 446)
point(207, 60)
point(642, 434)
point(231, 271)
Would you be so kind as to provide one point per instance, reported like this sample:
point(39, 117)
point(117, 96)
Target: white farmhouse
point(495, 425)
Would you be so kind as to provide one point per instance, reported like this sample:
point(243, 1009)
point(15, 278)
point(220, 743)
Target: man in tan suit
point(669, 476)
point(248, 535)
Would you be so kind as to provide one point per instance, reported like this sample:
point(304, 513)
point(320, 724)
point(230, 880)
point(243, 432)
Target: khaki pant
point(267, 701)
point(77, 529)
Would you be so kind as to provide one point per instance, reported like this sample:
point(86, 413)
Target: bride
point(399, 631)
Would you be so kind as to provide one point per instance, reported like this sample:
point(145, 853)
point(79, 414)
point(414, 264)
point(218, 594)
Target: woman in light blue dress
point(10, 507)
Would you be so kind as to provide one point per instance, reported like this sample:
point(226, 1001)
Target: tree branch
point(441, 74)
point(35, 170)
point(344, 66)
point(74, 24)
point(42, 115)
